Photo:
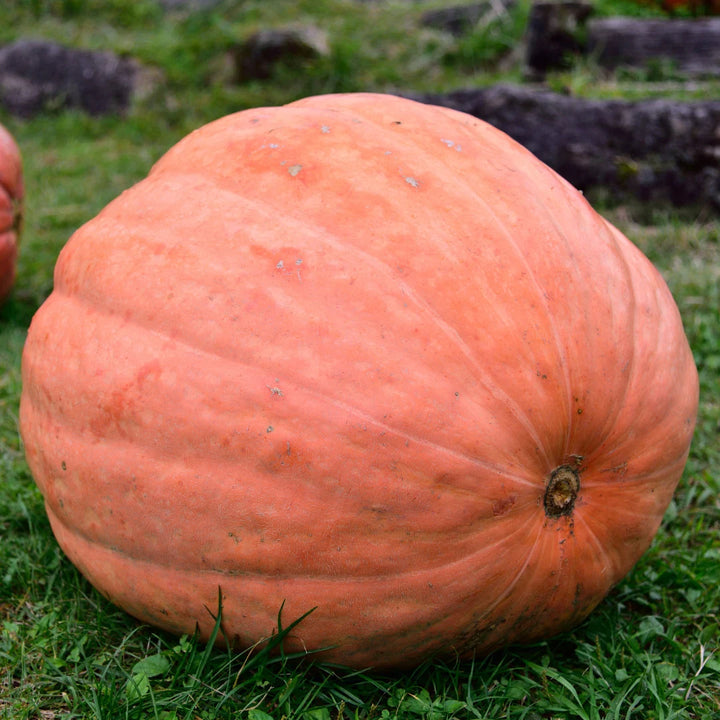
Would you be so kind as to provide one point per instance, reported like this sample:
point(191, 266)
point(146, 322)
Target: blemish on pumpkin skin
point(412, 181)
point(294, 169)
point(503, 506)
point(619, 470)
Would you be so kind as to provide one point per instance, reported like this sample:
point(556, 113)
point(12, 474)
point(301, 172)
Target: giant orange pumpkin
point(11, 197)
point(362, 355)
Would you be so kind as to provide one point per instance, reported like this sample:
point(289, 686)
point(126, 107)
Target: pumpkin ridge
point(147, 443)
point(418, 148)
point(330, 575)
point(493, 467)
point(595, 476)
point(481, 374)
point(621, 251)
point(616, 574)
point(489, 608)
point(194, 347)
point(663, 306)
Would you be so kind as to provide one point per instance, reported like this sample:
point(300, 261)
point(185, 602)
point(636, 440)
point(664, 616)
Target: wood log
point(653, 150)
point(692, 46)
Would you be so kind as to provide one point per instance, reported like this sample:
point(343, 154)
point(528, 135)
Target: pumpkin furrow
point(516, 574)
point(607, 561)
point(625, 474)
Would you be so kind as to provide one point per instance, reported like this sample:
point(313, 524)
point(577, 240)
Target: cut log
point(653, 150)
point(692, 46)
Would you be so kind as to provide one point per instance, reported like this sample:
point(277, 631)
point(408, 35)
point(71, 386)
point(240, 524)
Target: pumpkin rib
point(489, 609)
point(652, 445)
point(480, 373)
point(419, 148)
point(451, 174)
point(601, 477)
point(172, 562)
point(562, 349)
point(450, 332)
point(364, 647)
point(580, 518)
point(93, 454)
point(92, 457)
point(621, 251)
point(478, 462)
point(148, 443)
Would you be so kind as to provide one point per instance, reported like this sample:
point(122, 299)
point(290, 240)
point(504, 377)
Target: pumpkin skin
point(356, 354)
point(11, 198)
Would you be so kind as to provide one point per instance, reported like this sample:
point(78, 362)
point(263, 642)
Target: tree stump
point(553, 33)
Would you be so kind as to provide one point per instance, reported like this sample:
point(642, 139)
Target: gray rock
point(256, 58)
point(37, 76)
point(191, 5)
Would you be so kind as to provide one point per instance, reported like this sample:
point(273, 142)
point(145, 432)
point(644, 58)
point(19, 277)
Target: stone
point(258, 56)
point(38, 76)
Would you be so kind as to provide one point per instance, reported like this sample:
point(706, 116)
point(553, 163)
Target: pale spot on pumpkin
point(294, 169)
point(412, 181)
point(324, 129)
point(452, 144)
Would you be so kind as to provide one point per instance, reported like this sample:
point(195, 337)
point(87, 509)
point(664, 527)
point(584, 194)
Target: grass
point(649, 652)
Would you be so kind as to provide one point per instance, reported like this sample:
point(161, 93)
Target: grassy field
point(651, 651)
